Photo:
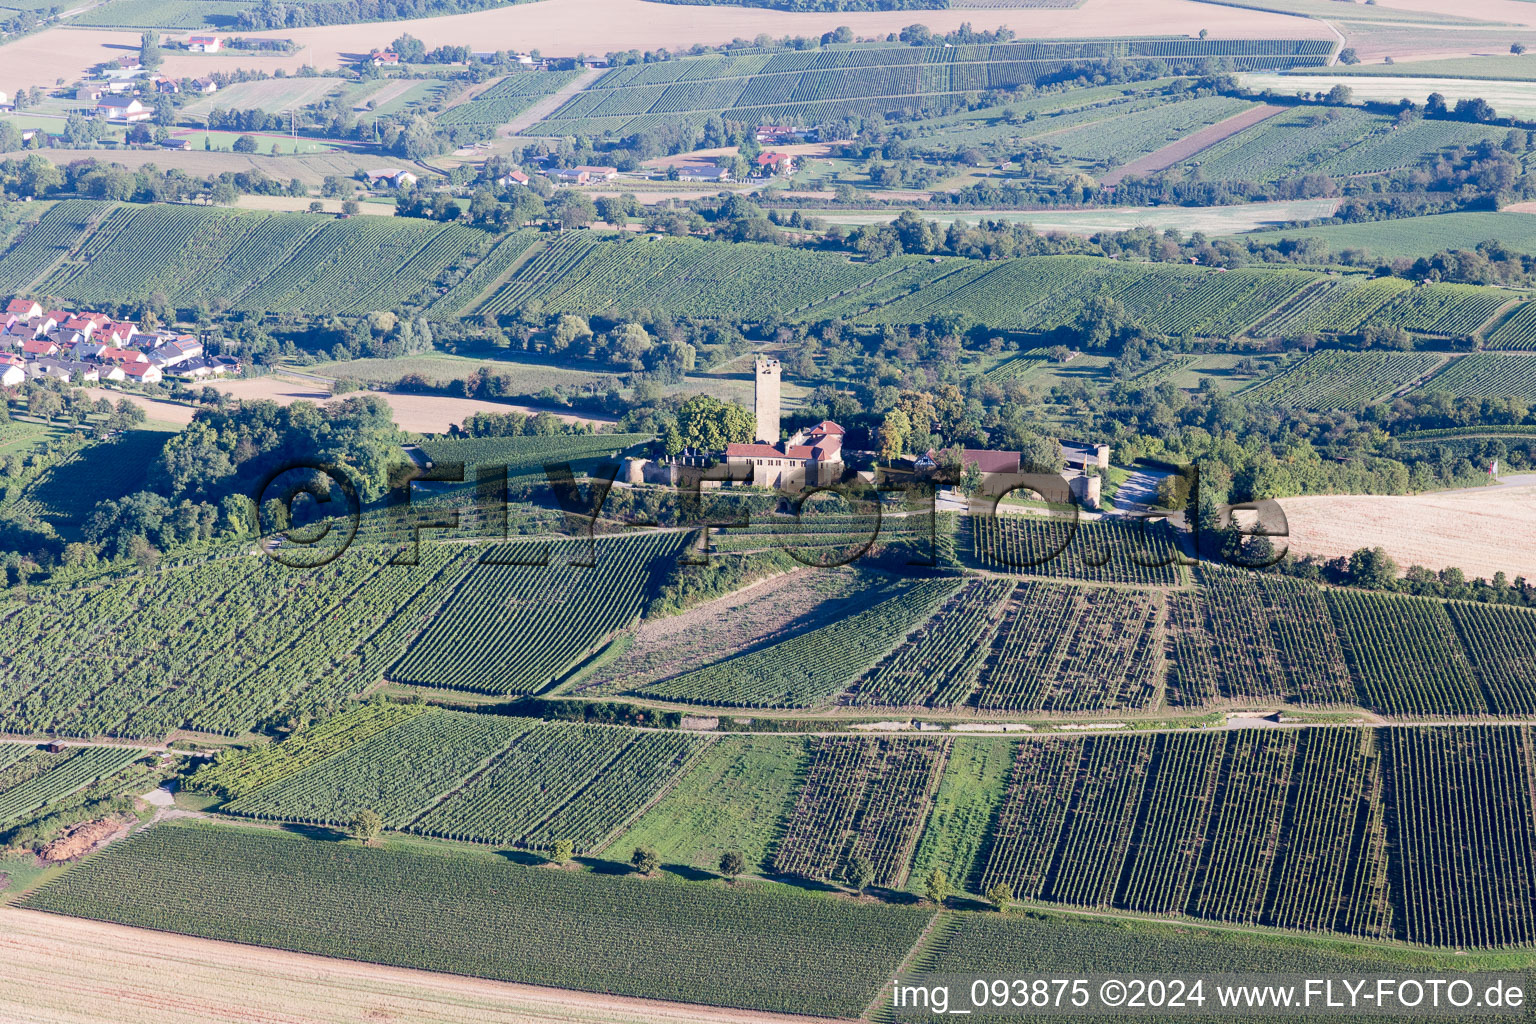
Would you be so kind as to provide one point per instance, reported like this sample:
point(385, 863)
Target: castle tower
point(765, 400)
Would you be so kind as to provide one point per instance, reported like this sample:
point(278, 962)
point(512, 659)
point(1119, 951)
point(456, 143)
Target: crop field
point(733, 798)
point(1103, 551)
point(862, 797)
point(506, 99)
point(562, 782)
point(1406, 656)
point(282, 659)
point(969, 792)
point(1487, 375)
point(767, 949)
point(1067, 648)
point(826, 84)
point(30, 779)
point(808, 669)
point(1509, 98)
point(273, 95)
point(937, 664)
point(1342, 380)
point(530, 609)
point(277, 262)
point(1133, 134)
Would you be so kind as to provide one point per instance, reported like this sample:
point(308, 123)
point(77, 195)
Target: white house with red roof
point(810, 458)
point(39, 348)
point(142, 372)
point(204, 44)
point(24, 308)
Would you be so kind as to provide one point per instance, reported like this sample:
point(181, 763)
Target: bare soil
point(422, 414)
point(81, 839)
point(1205, 138)
point(1480, 532)
point(68, 971)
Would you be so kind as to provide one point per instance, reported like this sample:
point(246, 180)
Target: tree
point(1340, 95)
point(562, 852)
point(149, 50)
point(1517, 49)
point(244, 144)
point(1348, 56)
point(970, 479)
point(937, 886)
point(1372, 568)
point(645, 860)
point(894, 431)
point(143, 553)
point(732, 863)
point(1000, 895)
point(860, 872)
point(366, 825)
point(350, 208)
point(316, 206)
point(707, 423)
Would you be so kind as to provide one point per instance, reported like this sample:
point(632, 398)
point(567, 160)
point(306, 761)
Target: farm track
point(551, 103)
point(484, 295)
point(1192, 145)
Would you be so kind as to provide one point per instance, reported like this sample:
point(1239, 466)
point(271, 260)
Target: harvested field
point(1509, 98)
point(69, 971)
point(1188, 146)
point(1480, 532)
point(422, 414)
point(163, 412)
point(597, 26)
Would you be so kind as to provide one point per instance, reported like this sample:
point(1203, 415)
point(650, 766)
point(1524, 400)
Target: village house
point(142, 372)
point(384, 58)
point(12, 376)
point(205, 86)
point(177, 144)
point(123, 108)
point(569, 176)
point(770, 164)
point(595, 173)
point(165, 86)
point(512, 178)
point(391, 177)
point(24, 308)
point(89, 94)
point(39, 348)
point(204, 44)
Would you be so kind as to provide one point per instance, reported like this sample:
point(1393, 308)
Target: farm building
point(204, 44)
point(703, 172)
point(775, 163)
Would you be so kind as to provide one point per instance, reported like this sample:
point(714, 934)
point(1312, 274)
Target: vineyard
point(862, 797)
point(937, 664)
point(268, 262)
point(562, 782)
point(1487, 375)
point(1252, 636)
point(235, 776)
point(777, 950)
point(1345, 380)
point(398, 773)
point(821, 85)
point(506, 99)
point(1095, 551)
point(1066, 649)
point(807, 669)
point(30, 779)
point(259, 640)
point(530, 609)
point(1281, 829)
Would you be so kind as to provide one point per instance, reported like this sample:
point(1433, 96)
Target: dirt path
point(551, 103)
point(68, 971)
point(1205, 138)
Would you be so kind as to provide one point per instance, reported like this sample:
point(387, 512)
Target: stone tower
point(765, 400)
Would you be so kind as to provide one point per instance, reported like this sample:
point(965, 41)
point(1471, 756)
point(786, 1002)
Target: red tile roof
point(992, 462)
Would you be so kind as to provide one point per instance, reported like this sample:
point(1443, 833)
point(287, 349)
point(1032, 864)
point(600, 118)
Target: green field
point(65, 493)
point(504, 100)
point(732, 799)
point(756, 948)
point(1335, 380)
point(1487, 375)
point(441, 367)
point(1413, 237)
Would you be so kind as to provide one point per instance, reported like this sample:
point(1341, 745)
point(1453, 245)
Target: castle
point(811, 458)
